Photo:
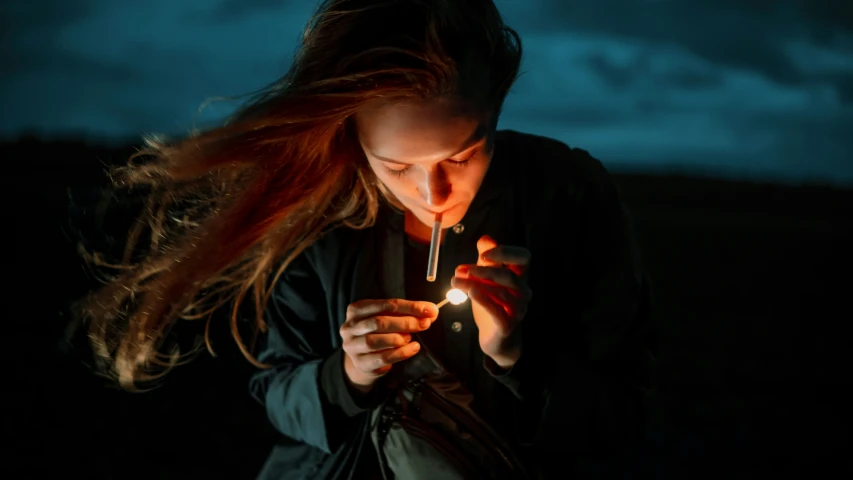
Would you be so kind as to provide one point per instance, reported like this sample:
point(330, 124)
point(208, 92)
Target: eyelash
point(460, 164)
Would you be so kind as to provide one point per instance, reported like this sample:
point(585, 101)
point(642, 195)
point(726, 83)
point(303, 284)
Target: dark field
point(753, 305)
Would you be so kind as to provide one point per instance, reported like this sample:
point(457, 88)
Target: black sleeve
point(582, 384)
point(301, 389)
point(337, 391)
point(513, 379)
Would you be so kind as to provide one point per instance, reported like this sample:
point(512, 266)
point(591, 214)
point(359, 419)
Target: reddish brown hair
point(229, 208)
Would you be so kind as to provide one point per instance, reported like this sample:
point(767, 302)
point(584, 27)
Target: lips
point(433, 212)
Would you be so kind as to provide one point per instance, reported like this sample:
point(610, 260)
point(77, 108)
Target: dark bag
point(427, 430)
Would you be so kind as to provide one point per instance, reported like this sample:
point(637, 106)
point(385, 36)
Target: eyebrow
point(475, 137)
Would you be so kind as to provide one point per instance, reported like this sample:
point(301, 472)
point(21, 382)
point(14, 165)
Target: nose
point(435, 188)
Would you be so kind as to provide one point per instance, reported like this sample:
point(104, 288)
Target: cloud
point(663, 105)
point(38, 16)
point(231, 10)
point(827, 16)
point(749, 86)
point(647, 64)
point(55, 62)
point(120, 69)
point(749, 35)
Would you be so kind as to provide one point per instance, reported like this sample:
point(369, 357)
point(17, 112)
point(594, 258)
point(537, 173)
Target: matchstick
point(454, 296)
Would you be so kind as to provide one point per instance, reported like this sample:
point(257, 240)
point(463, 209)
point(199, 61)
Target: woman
point(318, 200)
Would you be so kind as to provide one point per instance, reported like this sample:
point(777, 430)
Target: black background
point(753, 307)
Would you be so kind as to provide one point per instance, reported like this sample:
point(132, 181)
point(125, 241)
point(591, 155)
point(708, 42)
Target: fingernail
point(462, 272)
point(425, 323)
point(416, 347)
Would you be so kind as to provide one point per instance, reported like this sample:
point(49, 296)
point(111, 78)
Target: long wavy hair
point(227, 209)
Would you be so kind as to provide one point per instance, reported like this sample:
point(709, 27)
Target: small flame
point(456, 296)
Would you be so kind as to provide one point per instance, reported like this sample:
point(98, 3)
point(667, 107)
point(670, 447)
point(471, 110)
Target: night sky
point(739, 88)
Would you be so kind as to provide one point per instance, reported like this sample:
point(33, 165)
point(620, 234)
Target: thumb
point(484, 244)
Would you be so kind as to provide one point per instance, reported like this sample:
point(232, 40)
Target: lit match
point(434, 245)
point(454, 296)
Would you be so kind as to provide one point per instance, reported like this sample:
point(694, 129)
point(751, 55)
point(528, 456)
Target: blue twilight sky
point(746, 88)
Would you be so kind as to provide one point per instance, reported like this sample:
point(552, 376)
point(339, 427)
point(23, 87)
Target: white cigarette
point(434, 245)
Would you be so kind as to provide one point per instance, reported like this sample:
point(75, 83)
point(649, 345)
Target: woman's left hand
point(497, 286)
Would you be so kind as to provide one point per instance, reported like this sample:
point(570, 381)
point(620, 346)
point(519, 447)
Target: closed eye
point(464, 161)
point(461, 163)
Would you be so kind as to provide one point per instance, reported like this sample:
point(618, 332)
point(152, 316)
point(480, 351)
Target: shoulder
point(548, 164)
point(331, 247)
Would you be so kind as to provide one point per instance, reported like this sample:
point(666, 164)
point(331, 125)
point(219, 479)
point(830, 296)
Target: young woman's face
point(431, 157)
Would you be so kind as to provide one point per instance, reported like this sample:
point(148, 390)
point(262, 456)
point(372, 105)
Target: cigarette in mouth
point(434, 245)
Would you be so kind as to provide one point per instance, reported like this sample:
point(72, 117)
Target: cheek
point(472, 177)
point(382, 173)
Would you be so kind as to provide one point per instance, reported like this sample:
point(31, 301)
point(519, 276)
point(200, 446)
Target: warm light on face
point(432, 155)
point(456, 296)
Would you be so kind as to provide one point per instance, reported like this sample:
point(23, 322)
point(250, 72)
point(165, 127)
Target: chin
point(453, 218)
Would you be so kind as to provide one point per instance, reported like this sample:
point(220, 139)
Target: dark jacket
point(578, 384)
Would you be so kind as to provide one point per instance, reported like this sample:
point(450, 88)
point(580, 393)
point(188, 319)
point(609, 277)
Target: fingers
point(491, 254)
point(377, 342)
point(497, 294)
point(484, 244)
point(379, 363)
point(393, 307)
point(376, 333)
point(387, 316)
point(508, 300)
point(385, 324)
point(494, 276)
point(489, 275)
point(501, 303)
point(479, 295)
point(508, 255)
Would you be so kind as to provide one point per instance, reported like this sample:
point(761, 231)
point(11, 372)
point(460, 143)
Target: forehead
point(417, 132)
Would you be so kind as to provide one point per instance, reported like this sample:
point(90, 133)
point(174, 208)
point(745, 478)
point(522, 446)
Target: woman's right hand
point(377, 334)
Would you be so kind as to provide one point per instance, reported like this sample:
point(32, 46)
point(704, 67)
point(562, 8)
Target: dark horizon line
point(617, 167)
